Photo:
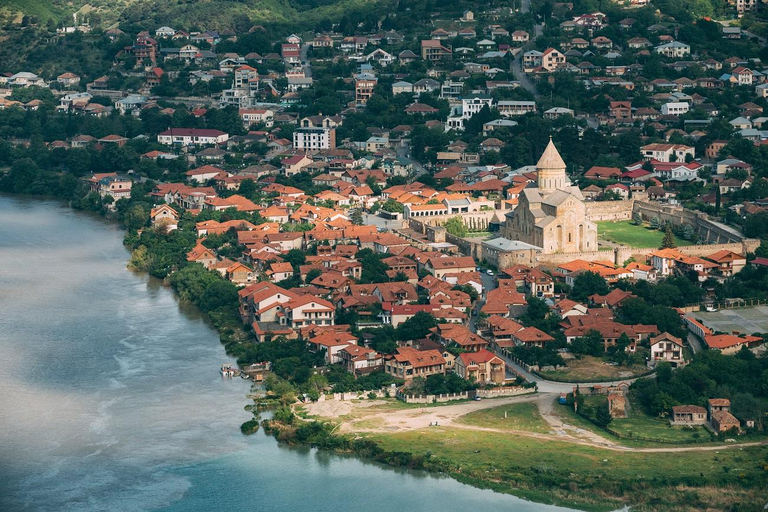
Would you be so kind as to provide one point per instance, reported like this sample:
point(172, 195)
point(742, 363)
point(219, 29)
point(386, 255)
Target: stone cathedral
point(552, 215)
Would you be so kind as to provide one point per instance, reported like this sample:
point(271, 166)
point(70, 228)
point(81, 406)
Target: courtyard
point(748, 319)
point(625, 233)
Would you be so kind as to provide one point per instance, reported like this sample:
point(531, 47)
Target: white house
point(675, 49)
point(192, 136)
point(676, 108)
point(665, 152)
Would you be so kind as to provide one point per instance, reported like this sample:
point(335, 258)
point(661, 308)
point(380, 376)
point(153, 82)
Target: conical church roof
point(551, 158)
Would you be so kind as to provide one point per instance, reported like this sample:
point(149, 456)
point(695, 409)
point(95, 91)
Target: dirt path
point(402, 420)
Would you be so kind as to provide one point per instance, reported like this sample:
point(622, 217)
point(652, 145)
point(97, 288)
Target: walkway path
point(447, 416)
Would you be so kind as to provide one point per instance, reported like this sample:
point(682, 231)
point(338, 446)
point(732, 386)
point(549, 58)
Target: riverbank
point(143, 419)
point(483, 457)
point(505, 445)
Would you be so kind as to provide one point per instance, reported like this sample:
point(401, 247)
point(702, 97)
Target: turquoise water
point(110, 396)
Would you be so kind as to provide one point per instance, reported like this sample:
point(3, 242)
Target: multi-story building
point(251, 116)
point(192, 136)
point(364, 85)
point(433, 50)
point(516, 108)
point(666, 152)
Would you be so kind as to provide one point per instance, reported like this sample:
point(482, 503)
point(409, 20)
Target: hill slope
point(208, 14)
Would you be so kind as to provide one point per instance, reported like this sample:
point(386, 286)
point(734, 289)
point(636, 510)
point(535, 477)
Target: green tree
point(586, 284)
point(392, 206)
point(603, 416)
point(248, 188)
point(456, 227)
point(312, 275)
point(668, 242)
point(417, 327)
point(136, 217)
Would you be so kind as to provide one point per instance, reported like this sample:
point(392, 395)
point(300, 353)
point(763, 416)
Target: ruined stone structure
point(552, 215)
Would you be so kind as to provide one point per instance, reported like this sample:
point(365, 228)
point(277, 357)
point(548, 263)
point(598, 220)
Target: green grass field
point(639, 424)
point(593, 369)
point(523, 416)
point(593, 478)
point(624, 232)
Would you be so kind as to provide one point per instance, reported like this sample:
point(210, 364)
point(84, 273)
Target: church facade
point(552, 215)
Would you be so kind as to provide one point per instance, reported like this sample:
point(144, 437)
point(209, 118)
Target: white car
point(711, 309)
point(489, 272)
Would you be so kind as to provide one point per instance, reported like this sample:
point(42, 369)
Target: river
point(110, 396)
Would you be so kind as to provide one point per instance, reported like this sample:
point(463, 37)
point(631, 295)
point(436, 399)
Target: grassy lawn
point(523, 416)
point(624, 232)
point(592, 478)
point(590, 368)
point(639, 424)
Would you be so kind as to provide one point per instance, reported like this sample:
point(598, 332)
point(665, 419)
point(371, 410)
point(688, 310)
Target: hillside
point(211, 14)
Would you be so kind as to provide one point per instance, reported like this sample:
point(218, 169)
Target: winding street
point(517, 63)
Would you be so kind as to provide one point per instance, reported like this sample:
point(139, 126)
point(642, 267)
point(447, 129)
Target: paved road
point(489, 283)
point(370, 219)
point(404, 152)
point(517, 63)
point(550, 386)
point(694, 342)
point(303, 53)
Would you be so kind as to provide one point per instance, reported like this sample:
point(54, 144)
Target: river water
point(110, 396)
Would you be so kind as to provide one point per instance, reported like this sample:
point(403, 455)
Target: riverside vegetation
point(553, 471)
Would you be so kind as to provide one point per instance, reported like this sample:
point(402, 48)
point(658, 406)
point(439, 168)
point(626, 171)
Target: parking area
point(745, 320)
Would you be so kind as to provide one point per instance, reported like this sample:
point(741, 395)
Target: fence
point(431, 399)
point(504, 391)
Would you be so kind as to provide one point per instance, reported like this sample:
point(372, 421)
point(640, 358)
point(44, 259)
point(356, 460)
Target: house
point(667, 348)
point(407, 363)
point(239, 274)
point(332, 342)
point(458, 335)
point(621, 111)
point(192, 136)
point(68, 79)
point(552, 60)
point(531, 337)
point(360, 360)
point(201, 254)
point(724, 421)
point(728, 262)
point(279, 271)
point(394, 314)
point(742, 75)
point(440, 266)
point(204, 173)
point(642, 271)
point(433, 50)
point(164, 216)
point(520, 36)
point(294, 165)
point(307, 310)
point(728, 343)
point(674, 49)
point(688, 415)
point(603, 173)
point(117, 187)
point(481, 367)
point(667, 152)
